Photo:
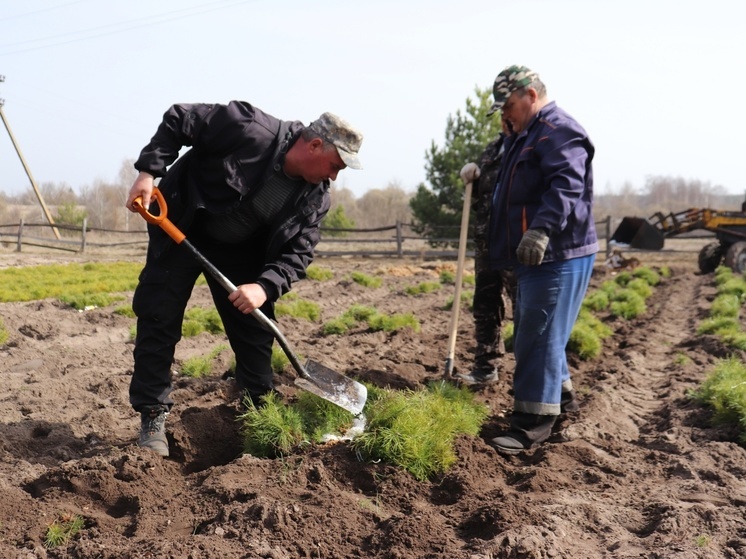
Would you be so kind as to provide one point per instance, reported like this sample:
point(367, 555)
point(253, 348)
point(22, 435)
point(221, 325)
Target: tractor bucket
point(638, 233)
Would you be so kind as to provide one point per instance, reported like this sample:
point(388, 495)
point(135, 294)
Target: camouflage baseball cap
point(340, 133)
point(509, 80)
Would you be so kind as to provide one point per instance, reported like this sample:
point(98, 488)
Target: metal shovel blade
point(334, 387)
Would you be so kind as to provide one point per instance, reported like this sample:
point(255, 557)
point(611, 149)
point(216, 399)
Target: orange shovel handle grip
point(161, 220)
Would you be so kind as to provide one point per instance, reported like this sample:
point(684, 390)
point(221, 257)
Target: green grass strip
point(70, 281)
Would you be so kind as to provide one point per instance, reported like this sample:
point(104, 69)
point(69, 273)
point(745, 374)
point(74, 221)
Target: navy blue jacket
point(233, 148)
point(546, 181)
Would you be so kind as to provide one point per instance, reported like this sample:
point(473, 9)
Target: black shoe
point(478, 377)
point(569, 402)
point(153, 429)
point(526, 431)
point(510, 443)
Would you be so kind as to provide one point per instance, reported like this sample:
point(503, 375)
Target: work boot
point(478, 377)
point(569, 402)
point(526, 431)
point(485, 355)
point(153, 429)
point(485, 367)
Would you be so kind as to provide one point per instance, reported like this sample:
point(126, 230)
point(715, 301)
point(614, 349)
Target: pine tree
point(437, 210)
point(337, 219)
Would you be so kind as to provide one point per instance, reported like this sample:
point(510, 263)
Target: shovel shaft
point(266, 323)
point(453, 327)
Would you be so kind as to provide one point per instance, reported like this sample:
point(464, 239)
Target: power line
point(42, 10)
point(121, 27)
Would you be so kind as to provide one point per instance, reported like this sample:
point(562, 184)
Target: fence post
point(20, 235)
point(608, 237)
point(85, 228)
point(399, 240)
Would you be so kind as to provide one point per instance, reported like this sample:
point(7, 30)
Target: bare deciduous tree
point(666, 195)
point(127, 176)
point(674, 194)
point(102, 202)
point(53, 194)
point(386, 206)
point(376, 208)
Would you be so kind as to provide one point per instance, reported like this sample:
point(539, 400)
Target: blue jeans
point(547, 305)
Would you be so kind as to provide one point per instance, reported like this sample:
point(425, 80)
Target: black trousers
point(160, 301)
point(492, 288)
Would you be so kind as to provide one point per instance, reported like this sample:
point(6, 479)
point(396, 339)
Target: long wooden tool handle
point(453, 326)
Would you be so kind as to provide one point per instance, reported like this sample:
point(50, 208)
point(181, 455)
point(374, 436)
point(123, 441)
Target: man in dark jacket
point(250, 195)
point(542, 227)
point(491, 286)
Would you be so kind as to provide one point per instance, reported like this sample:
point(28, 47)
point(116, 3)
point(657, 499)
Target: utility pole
point(48, 215)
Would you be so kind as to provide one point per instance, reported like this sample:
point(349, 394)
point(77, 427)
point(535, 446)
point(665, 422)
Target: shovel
point(459, 278)
point(314, 377)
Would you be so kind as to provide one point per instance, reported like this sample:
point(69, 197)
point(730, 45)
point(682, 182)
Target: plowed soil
point(638, 472)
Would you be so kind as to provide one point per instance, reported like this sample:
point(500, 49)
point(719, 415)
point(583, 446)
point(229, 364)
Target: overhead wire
point(86, 120)
point(42, 10)
point(120, 27)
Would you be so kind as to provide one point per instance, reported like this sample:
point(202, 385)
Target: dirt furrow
point(638, 423)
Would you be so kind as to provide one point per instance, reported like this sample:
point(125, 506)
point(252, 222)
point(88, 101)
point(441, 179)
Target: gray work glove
point(532, 247)
point(469, 172)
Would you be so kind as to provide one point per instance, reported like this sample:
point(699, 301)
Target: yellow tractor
point(729, 229)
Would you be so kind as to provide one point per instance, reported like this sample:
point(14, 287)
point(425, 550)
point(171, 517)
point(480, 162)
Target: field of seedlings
point(641, 471)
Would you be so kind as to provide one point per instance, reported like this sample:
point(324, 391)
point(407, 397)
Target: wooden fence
point(394, 241)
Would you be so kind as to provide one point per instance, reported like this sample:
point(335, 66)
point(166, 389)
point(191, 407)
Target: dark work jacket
point(546, 181)
point(233, 148)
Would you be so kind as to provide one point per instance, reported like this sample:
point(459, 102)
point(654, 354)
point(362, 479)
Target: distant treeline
point(102, 204)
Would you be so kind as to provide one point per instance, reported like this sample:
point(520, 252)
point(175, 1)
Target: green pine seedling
point(365, 280)
point(416, 430)
point(318, 273)
point(597, 301)
point(641, 287)
point(422, 288)
point(724, 391)
point(3, 332)
point(299, 308)
point(198, 367)
point(198, 320)
point(393, 323)
point(627, 304)
point(125, 310)
point(273, 429)
point(62, 530)
point(726, 304)
point(447, 276)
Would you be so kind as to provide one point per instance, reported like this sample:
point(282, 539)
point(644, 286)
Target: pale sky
point(656, 83)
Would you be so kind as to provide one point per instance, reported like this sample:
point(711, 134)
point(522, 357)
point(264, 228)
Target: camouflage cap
point(339, 132)
point(509, 80)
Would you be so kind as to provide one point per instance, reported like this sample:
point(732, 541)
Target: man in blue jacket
point(250, 195)
point(542, 227)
